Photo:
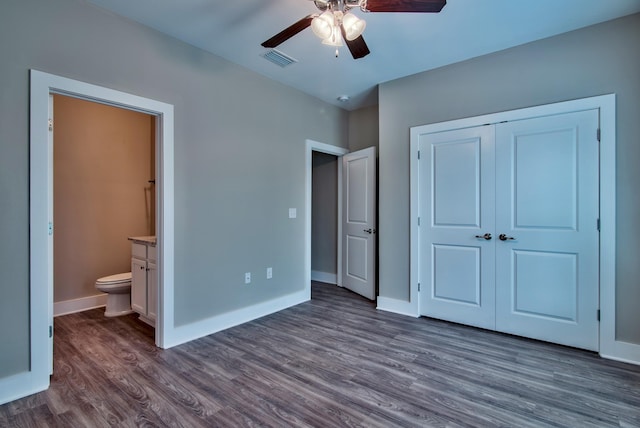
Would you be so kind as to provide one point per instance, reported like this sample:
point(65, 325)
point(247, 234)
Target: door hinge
point(418, 221)
point(598, 134)
point(418, 154)
point(50, 331)
point(418, 286)
point(50, 124)
point(50, 228)
point(598, 315)
point(598, 224)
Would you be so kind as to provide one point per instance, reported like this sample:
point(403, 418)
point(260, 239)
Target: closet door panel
point(457, 209)
point(547, 213)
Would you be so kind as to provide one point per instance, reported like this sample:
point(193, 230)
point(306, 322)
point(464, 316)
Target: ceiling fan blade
point(288, 32)
point(357, 47)
point(419, 6)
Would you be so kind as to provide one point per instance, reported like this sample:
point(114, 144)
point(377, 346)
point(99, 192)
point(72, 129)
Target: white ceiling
point(401, 44)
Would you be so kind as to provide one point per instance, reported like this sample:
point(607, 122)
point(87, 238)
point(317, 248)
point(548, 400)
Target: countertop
point(145, 240)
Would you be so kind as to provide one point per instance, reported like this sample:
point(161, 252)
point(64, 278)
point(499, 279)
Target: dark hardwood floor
point(333, 361)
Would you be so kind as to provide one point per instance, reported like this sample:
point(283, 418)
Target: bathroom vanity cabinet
point(144, 278)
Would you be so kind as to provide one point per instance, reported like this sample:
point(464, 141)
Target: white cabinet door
point(152, 290)
point(457, 255)
point(139, 285)
point(359, 222)
point(547, 211)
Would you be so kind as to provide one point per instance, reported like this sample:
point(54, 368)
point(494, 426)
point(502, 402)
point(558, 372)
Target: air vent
point(278, 58)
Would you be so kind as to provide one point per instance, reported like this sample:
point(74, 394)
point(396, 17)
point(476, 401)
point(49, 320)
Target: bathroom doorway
point(103, 193)
point(42, 88)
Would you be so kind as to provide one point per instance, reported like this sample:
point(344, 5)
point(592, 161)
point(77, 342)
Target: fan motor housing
point(323, 5)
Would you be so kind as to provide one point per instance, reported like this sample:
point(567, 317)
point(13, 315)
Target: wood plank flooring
point(332, 362)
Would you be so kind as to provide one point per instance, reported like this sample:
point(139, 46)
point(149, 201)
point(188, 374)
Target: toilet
point(118, 289)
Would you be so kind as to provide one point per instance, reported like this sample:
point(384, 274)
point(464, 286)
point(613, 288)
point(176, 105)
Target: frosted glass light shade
point(322, 25)
point(335, 39)
point(353, 26)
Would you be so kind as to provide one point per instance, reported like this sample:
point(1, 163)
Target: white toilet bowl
point(118, 289)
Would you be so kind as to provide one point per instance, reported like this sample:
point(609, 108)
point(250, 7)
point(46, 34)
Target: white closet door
point(457, 201)
point(547, 211)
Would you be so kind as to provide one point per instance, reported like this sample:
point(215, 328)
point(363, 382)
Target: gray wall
point(324, 213)
point(239, 157)
point(363, 128)
point(593, 61)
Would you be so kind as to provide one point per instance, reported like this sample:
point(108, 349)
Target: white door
point(359, 222)
point(531, 188)
point(547, 216)
point(457, 255)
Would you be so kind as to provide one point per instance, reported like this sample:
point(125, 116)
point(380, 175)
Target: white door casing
point(50, 237)
point(359, 222)
point(457, 257)
point(539, 261)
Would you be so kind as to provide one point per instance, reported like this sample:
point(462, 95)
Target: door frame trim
point(606, 104)
point(42, 85)
point(310, 147)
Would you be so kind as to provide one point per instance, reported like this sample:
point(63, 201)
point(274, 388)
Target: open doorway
point(103, 193)
point(356, 217)
point(324, 218)
point(43, 86)
point(311, 148)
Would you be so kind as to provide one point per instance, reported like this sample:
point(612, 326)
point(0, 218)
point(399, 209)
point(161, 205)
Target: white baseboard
point(20, 385)
point(396, 306)
point(326, 277)
point(78, 305)
point(623, 351)
point(196, 330)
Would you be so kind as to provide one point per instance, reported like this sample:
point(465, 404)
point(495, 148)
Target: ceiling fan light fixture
point(334, 24)
point(353, 26)
point(335, 39)
point(322, 25)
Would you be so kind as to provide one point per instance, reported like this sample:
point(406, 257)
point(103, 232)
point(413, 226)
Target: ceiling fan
point(336, 23)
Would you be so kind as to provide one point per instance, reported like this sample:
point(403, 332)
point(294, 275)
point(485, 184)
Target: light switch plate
point(293, 212)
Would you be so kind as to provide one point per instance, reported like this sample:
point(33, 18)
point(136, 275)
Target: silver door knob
point(486, 236)
point(370, 231)
point(504, 237)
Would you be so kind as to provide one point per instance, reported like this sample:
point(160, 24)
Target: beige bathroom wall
point(103, 160)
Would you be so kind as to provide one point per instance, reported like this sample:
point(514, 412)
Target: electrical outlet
point(247, 278)
point(269, 273)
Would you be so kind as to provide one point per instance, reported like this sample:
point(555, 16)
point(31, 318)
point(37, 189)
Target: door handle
point(486, 236)
point(504, 237)
point(370, 231)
